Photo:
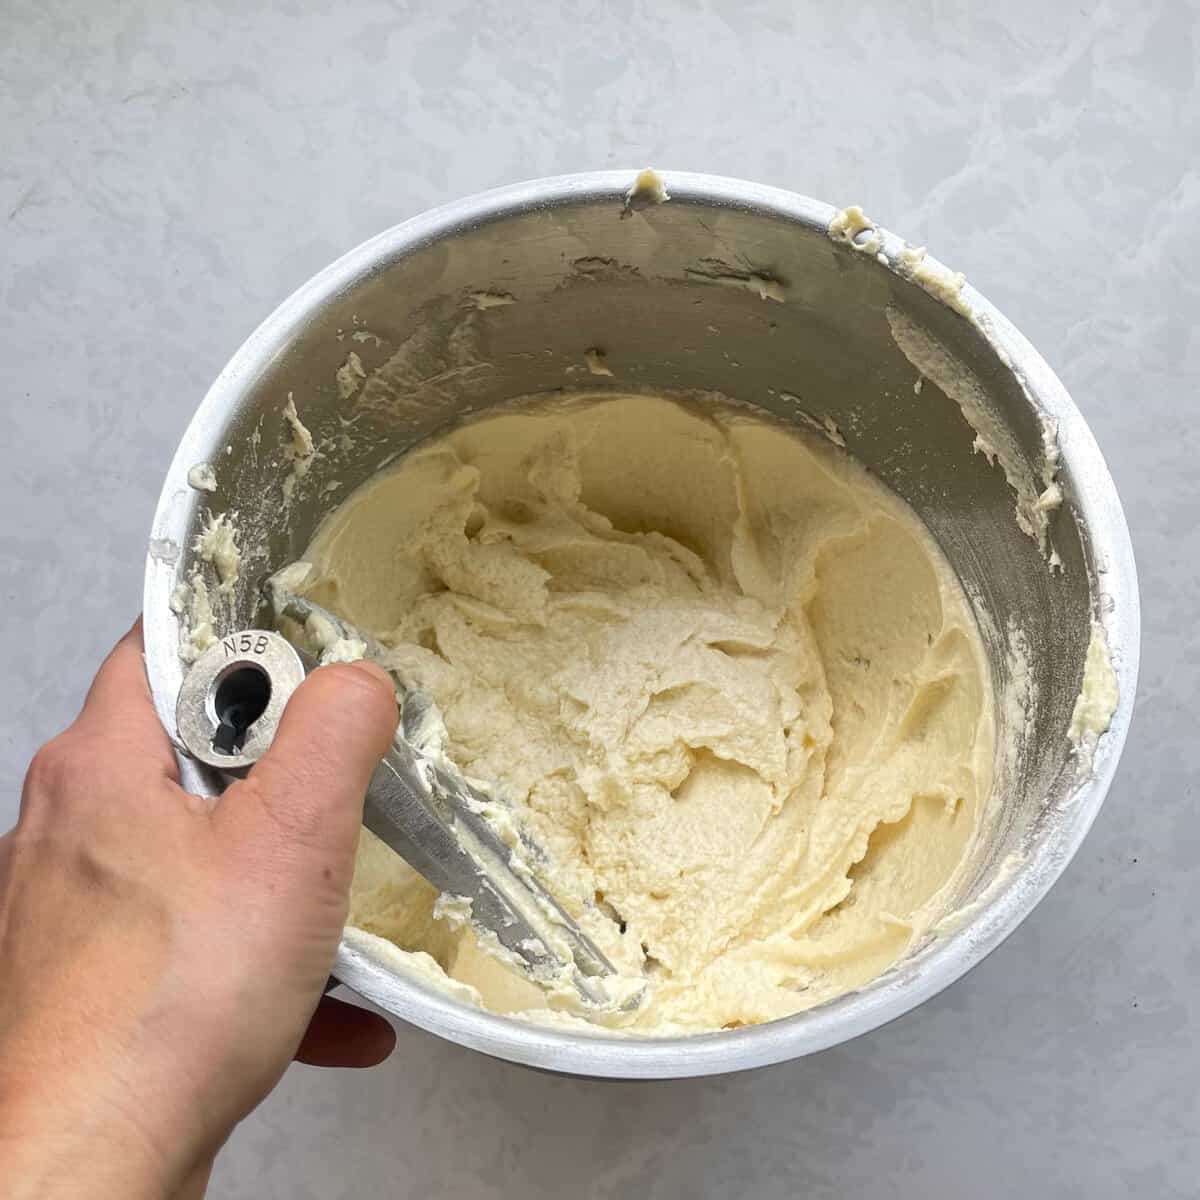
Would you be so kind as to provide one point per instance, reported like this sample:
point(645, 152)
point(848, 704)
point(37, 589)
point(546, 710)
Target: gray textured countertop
point(171, 170)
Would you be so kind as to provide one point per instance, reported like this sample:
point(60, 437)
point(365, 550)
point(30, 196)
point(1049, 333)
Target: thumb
point(311, 782)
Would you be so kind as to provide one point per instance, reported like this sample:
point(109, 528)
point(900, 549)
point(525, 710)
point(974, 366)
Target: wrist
point(53, 1144)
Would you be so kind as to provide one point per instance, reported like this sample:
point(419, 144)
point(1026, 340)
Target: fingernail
point(377, 674)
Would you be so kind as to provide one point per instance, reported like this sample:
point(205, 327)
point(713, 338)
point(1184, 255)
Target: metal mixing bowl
point(728, 287)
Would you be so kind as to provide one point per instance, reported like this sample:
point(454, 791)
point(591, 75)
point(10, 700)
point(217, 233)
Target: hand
point(162, 954)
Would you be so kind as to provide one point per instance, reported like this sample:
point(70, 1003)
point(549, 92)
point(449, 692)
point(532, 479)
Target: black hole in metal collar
point(241, 698)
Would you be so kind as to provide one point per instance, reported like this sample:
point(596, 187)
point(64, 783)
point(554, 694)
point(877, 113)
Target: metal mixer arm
point(419, 805)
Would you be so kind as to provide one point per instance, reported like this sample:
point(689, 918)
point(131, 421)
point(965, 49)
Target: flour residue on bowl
point(349, 376)
point(715, 270)
point(217, 545)
point(202, 477)
point(299, 450)
point(1037, 494)
point(429, 369)
point(1097, 700)
point(1036, 497)
point(194, 614)
point(195, 604)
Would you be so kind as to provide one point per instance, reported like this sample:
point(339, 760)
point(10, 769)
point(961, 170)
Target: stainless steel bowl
point(728, 287)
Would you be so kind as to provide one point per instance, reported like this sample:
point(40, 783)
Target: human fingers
point(310, 784)
point(118, 709)
point(344, 1035)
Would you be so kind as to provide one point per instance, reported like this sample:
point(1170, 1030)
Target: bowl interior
point(734, 290)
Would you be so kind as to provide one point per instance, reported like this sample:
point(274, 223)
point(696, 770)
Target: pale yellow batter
point(727, 681)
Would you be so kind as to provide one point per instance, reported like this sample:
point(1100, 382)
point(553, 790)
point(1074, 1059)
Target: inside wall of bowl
point(681, 297)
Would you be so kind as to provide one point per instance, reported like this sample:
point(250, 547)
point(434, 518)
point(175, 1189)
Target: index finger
point(119, 708)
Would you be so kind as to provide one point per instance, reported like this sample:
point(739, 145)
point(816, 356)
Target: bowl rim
point(905, 985)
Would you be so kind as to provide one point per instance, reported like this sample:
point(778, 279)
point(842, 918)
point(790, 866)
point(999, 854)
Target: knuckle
point(284, 803)
point(284, 825)
point(51, 770)
point(65, 773)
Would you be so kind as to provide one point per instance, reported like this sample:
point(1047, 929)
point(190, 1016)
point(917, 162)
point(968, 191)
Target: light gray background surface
point(169, 171)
